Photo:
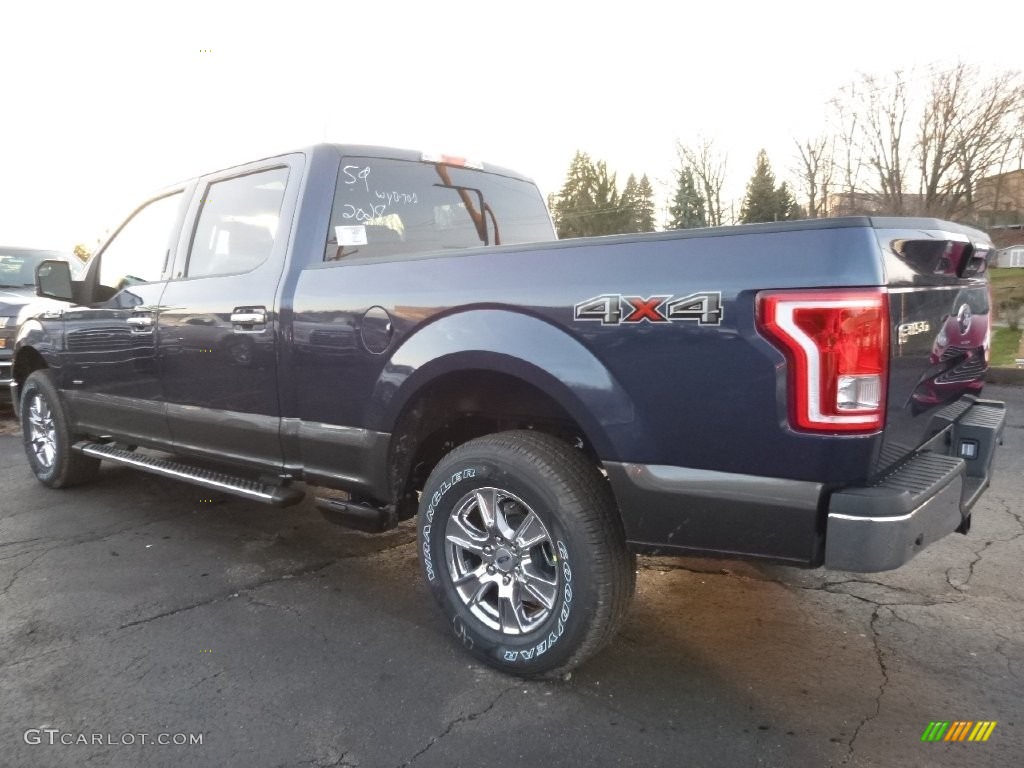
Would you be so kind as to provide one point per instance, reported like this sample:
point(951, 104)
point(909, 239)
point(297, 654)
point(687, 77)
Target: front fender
point(38, 339)
point(34, 334)
point(519, 345)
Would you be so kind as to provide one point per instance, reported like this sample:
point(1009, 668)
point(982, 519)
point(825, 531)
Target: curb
point(1005, 376)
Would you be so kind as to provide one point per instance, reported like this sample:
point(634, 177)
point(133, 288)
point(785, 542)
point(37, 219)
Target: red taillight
point(837, 346)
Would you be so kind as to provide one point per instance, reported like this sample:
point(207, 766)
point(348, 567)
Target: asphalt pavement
point(138, 605)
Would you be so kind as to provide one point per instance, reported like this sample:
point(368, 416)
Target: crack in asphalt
point(979, 553)
point(316, 567)
point(315, 628)
point(879, 655)
point(339, 762)
point(22, 541)
point(233, 593)
point(457, 721)
point(72, 541)
point(29, 659)
point(140, 622)
point(834, 588)
point(202, 680)
point(18, 571)
point(1009, 658)
point(280, 607)
point(964, 585)
point(831, 587)
point(16, 555)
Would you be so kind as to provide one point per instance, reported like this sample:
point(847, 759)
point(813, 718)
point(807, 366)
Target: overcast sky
point(104, 103)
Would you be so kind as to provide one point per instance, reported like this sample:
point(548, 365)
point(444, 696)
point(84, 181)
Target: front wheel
point(524, 551)
point(48, 437)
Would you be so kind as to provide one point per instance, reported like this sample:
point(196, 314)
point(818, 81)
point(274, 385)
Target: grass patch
point(1007, 292)
point(1007, 277)
point(1005, 342)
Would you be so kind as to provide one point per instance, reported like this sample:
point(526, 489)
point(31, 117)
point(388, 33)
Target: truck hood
point(25, 304)
point(15, 294)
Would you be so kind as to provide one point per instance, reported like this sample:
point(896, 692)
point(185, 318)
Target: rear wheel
point(48, 437)
point(523, 549)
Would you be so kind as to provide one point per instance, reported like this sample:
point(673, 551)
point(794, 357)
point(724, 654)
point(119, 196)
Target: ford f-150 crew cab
point(407, 329)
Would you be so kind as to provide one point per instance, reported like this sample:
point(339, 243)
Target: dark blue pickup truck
point(406, 329)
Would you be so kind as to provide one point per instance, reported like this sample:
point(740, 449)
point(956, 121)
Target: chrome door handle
point(140, 322)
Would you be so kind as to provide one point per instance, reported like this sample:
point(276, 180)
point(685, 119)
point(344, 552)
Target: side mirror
point(53, 280)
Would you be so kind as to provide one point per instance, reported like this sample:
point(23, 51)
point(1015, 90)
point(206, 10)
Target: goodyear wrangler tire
point(48, 437)
point(523, 549)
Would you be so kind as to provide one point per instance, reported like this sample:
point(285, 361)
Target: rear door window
point(389, 208)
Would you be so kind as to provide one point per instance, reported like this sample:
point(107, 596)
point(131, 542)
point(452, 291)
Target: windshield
point(18, 265)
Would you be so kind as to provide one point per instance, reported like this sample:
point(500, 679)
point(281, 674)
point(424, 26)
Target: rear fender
point(522, 346)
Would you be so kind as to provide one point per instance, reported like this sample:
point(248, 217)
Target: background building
point(999, 199)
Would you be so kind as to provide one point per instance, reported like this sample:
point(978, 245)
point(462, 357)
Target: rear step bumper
point(277, 495)
point(930, 495)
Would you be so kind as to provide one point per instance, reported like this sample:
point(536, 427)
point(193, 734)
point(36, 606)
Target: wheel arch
point(487, 371)
point(517, 345)
point(26, 360)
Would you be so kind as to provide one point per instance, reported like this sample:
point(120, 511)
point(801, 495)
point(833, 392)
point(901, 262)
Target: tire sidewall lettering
point(432, 527)
point(426, 544)
point(554, 634)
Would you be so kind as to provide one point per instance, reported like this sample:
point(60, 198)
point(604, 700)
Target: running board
point(276, 495)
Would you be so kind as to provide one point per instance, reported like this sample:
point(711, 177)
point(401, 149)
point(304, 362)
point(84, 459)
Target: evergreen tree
point(644, 213)
point(576, 198)
point(687, 209)
point(761, 202)
point(630, 204)
point(789, 209)
point(765, 201)
point(589, 202)
point(608, 216)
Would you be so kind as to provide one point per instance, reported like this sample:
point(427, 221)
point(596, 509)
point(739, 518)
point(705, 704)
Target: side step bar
point(276, 495)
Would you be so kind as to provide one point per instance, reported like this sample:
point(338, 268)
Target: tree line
point(900, 145)
point(590, 203)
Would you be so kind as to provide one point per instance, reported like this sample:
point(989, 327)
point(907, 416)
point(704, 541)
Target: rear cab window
point(387, 208)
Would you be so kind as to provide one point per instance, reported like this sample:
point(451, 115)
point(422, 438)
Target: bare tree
point(1014, 161)
point(885, 118)
point(708, 166)
point(967, 131)
point(995, 110)
point(814, 171)
point(847, 154)
point(898, 155)
point(939, 124)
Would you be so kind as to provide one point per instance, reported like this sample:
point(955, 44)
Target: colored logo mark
point(959, 730)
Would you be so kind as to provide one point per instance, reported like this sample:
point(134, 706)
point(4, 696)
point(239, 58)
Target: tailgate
point(939, 312)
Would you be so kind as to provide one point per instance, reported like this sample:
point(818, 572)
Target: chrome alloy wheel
point(42, 432)
point(501, 560)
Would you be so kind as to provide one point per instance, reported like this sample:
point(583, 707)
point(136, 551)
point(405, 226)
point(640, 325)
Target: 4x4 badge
point(614, 308)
